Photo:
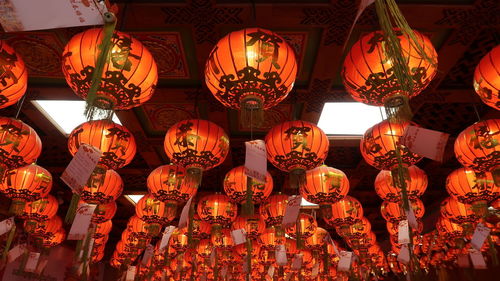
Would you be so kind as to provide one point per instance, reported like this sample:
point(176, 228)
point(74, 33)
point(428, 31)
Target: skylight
point(64, 114)
point(348, 118)
point(134, 198)
point(306, 204)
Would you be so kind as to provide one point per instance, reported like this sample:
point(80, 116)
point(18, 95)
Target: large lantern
point(40, 210)
point(102, 229)
point(305, 227)
point(273, 209)
point(478, 147)
point(379, 143)
point(251, 70)
point(152, 210)
point(129, 74)
point(116, 143)
point(416, 184)
point(487, 78)
point(13, 76)
point(45, 229)
point(394, 212)
point(271, 238)
point(28, 183)
point(448, 229)
point(235, 186)
point(469, 187)
point(54, 240)
point(254, 225)
point(102, 187)
point(344, 212)
point(217, 210)
point(197, 145)
point(356, 230)
point(317, 240)
point(104, 212)
point(142, 228)
point(19, 144)
point(369, 76)
point(295, 147)
point(324, 185)
point(458, 212)
point(166, 183)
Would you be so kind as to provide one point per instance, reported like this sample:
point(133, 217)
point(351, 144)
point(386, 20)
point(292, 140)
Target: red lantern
point(152, 210)
point(13, 76)
point(28, 183)
point(179, 240)
point(40, 210)
point(253, 225)
point(201, 229)
point(129, 75)
point(55, 239)
point(416, 184)
point(44, 229)
point(478, 146)
point(20, 145)
point(235, 186)
point(115, 141)
point(368, 74)
point(487, 78)
point(273, 209)
point(378, 146)
point(223, 241)
point(296, 146)
point(448, 229)
point(394, 212)
point(166, 183)
point(458, 212)
point(251, 69)
point(317, 240)
point(104, 212)
point(271, 238)
point(102, 229)
point(305, 227)
point(102, 187)
point(325, 185)
point(217, 209)
point(470, 187)
point(355, 231)
point(344, 212)
point(197, 145)
point(142, 228)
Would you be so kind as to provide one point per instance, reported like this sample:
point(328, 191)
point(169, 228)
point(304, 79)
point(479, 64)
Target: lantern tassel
point(252, 112)
point(10, 238)
point(93, 101)
point(248, 206)
point(70, 215)
point(297, 178)
point(398, 109)
point(193, 177)
point(17, 207)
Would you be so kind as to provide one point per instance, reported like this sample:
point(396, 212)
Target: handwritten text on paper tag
point(130, 273)
point(292, 210)
point(410, 216)
point(256, 160)
point(32, 262)
point(81, 167)
point(280, 254)
point(425, 142)
point(480, 234)
point(6, 225)
point(166, 236)
point(403, 232)
point(404, 254)
point(239, 236)
point(81, 223)
point(183, 220)
point(345, 261)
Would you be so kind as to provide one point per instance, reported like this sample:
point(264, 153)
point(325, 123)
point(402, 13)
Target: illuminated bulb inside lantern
point(251, 55)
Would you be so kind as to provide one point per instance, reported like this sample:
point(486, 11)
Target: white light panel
point(349, 118)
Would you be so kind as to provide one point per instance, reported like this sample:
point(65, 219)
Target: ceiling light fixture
point(134, 198)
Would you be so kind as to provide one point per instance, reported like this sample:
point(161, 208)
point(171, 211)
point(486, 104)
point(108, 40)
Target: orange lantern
point(166, 183)
point(44, 229)
point(270, 238)
point(317, 240)
point(469, 187)
point(379, 143)
point(55, 239)
point(254, 225)
point(368, 74)
point(132, 241)
point(273, 209)
point(344, 212)
point(356, 230)
point(217, 210)
point(104, 212)
point(458, 212)
point(325, 185)
point(102, 187)
point(487, 78)
point(251, 69)
point(129, 74)
point(102, 229)
point(197, 145)
point(13, 76)
point(448, 229)
point(40, 210)
point(152, 210)
point(477, 147)
point(242, 250)
point(393, 228)
point(296, 146)
point(205, 248)
point(223, 241)
point(235, 186)
point(416, 184)
point(26, 184)
point(179, 240)
point(142, 228)
point(305, 227)
point(20, 144)
point(116, 143)
point(394, 212)
point(201, 229)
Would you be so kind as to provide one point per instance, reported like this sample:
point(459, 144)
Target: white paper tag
point(270, 271)
point(32, 262)
point(148, 253)
point(16, 252)
point(292, 210)
point(477, 259)
point(79, 170)
point(239, 236)
point(183, 220)
point(256, 160)
point(345, 261)
point(403, 232)
point(463, 261)
point(22, 15)
point(130, 273)
point(404, 254)
point(81, 223)
point(410, 216)
point(425, 142)
point(480, 234)
point(166, 236)
point(6, 225)
point(280, 254)
point(315, 270)
point(297, 262)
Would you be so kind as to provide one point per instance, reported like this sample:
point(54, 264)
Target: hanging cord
point(20, 105)
point(477, 112)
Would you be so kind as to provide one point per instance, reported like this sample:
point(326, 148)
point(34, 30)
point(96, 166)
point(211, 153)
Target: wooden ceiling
point(180, 34)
